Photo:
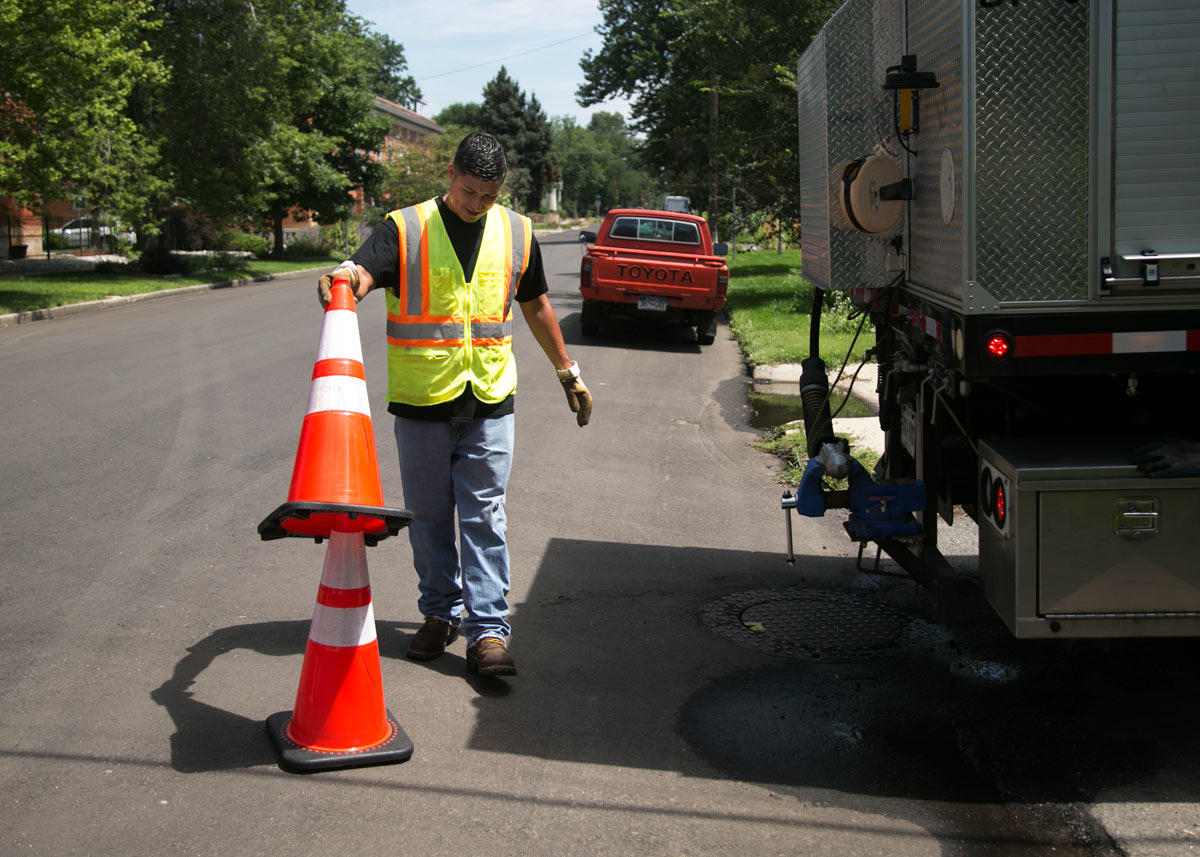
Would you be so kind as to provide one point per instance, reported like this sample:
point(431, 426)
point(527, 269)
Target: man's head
point(476, 176)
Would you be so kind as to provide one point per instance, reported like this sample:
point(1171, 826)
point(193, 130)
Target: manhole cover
point(809, 624)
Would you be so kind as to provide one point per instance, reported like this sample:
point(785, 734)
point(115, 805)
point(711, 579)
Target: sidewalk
point(59, 264)
point(784, 378)
point(66, 263)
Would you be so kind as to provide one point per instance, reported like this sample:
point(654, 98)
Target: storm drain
point(806, 624)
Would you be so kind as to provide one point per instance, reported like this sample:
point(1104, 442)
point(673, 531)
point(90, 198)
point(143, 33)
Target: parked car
point(91, 232)
point(653, 264)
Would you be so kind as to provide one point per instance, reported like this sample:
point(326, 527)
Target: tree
point(466, 115)
point(521, 126)
point(599, 163)
point(418, 171)
point(269, 107)
point(388, 68)
point(64, 91)
point(712, 88)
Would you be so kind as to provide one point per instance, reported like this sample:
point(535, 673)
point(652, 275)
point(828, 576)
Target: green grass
point(769, 307)
point(769, 304)
point(791, 447)
point(25, 292)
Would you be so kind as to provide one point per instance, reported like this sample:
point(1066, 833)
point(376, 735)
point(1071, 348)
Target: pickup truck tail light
point(585, 272)
point(722, 282)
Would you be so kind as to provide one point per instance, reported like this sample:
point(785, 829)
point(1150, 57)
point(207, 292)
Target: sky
point(454, 47)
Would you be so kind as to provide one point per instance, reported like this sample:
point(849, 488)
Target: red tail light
point(722, 282)
point(585, 272)
point(998, 345)
point(999, 503)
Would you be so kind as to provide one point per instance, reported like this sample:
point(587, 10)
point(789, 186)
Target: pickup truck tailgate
point(684, 279)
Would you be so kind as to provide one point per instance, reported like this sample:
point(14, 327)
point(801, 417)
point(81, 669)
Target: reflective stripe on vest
point(430, 358)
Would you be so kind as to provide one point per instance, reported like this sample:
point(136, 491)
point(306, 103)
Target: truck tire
point(706, 327)
point(589, 318)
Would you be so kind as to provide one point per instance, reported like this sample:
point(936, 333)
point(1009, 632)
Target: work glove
point(325, 284)
point(1168, 458)
point(578, 397)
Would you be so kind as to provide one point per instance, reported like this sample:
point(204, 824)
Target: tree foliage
point(273, 99)
point(600, 164)
point(233, 110)
point(417, 173)
point(712, 86)
point(521, 126)
point(67, 70)
point(466, 115)
point(388, 69)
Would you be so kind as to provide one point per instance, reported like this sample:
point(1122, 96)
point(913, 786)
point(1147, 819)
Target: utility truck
point(1009, 190)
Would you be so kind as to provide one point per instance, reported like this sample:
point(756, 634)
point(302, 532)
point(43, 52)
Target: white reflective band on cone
point(339, 393)
point(339, 336)
point(343, 626)
point(345, 562)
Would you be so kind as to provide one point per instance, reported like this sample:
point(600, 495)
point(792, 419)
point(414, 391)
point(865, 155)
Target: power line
point(509, 57)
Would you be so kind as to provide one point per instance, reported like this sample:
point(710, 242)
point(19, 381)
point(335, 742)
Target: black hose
point(814, 385)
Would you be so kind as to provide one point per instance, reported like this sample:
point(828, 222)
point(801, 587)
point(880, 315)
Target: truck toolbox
point(1086, 545)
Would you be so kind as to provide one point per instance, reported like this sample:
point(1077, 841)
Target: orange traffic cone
point(339, 719)
point(335, 480)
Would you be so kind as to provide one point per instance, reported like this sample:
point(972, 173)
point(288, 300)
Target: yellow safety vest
point(442, 331)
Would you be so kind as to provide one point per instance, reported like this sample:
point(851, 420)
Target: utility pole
point(712, 156)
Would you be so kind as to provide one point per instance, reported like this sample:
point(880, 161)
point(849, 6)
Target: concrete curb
point(784, 378)
point(121, 300)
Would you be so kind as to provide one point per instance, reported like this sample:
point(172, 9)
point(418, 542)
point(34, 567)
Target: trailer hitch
point(877, 510)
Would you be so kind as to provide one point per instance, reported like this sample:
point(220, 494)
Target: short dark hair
point(481, 155)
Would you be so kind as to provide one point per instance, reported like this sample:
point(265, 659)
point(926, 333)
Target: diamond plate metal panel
point(814, 163)
point(1032, 131)
point(861, 41)
point(936, 251)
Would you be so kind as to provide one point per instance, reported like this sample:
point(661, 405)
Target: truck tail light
point(722, 282)
point(998, 345)
point(993, 497)
point(585, 272)
point(999, 504)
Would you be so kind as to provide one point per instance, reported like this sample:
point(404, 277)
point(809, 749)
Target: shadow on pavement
point(622, 664)
point(618, 668)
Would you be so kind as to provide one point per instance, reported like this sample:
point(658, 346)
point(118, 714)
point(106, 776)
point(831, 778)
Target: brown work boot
point(429, 642)
point(489, 657)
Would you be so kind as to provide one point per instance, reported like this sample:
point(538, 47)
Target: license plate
point(652, 303)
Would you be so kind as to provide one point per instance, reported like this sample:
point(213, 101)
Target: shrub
point(243, 242)
point(165, 263)
point(303, 245)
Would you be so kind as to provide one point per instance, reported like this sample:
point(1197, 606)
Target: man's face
point(469, 197)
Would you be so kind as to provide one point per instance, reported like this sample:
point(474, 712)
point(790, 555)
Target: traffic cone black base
point(298, 759)
point(315, 521)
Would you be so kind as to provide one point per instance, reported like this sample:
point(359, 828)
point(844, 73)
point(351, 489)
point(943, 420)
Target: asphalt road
point(682, 691)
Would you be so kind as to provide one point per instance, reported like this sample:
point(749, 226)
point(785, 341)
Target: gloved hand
point(1168, 458)
point(578, 397)
point(325, 284)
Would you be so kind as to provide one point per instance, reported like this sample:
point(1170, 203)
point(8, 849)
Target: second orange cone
point(340, 719)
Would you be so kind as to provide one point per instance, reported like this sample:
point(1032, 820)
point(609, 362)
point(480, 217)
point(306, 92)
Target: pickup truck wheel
point(706, 328)
point(589, 318)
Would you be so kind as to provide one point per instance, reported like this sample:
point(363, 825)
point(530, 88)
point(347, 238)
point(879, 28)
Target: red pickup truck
point(659, 264)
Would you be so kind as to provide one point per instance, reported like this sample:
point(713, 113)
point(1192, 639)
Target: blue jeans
point(463, 466)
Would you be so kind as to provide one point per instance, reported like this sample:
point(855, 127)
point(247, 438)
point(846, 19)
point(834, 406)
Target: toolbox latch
point(1135, 518)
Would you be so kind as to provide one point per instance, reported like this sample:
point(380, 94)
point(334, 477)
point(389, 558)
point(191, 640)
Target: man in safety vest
point(452, 268)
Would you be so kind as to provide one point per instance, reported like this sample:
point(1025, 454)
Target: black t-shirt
point(380, 255)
